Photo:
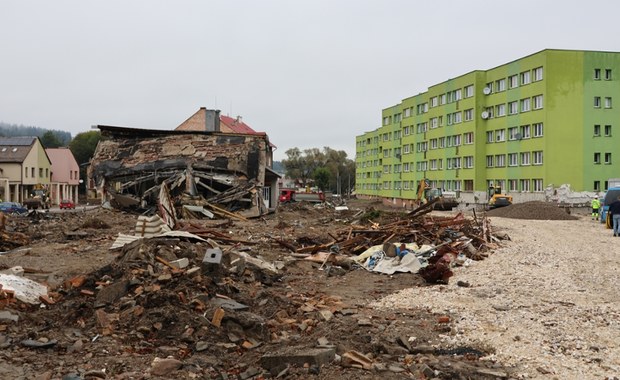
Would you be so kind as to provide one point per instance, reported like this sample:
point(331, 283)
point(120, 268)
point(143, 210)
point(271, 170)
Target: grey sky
point(309, 73)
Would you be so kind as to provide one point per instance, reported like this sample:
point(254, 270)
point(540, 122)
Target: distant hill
point(14, 130)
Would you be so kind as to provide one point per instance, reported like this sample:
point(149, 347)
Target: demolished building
point(195, 170)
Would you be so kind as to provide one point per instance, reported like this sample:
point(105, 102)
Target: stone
point(491, 372)
point(111, 293)
point(297, 356)
point(164, 367)
point(201, 346)
point(180, 263)
point(76, 347)
point(364, 322)
point(38, 344)
point(326, 315)
point(6, 315)
point(248, 373)
point(356, 360)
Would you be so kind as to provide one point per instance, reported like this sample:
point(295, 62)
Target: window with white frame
point(500, 135)
point(457, 140)
point(407, 112)
point(469, 91)
point(525, 132)
point(490, 111)
point(597, 157)
point(442, 142)
point(442, 99)
point(490, 137)
point(456, 185)
point(458, 117)
point(538, 129)
point(513, 108)
point(525, 77)
point(607, 158)
point(607, 102)
point(468, 138)
point(512, 133)
point(513, 159)
point(434, 101)
point(386, 120)
point(397, 168)
point(525, 185)
point(458, 95)
point(405, 185)
point(450, 96)
point(468, 115)
point(406, 131)
point(501, 109)
point(489, 161)
point(386, 185)
point(440, 163)
point(500, 84)
point(406, 167)
point(406, 149)
point(440, 118)
point(457, 162)
point(525, 105)
point(525, 158)
point(449, 141)
point(538, 102)
point(597, 102)
point(513, 185)
point(490, 87)
point(449, 118)
point(433, 164)
point(597, 130)
point(386, 168)
point(425, 107)
point(433, 143)
point(397, 135)
point(468, 162)
point(434, 123)
point(537, 157)
point(538, 74)
point(500, 160)
point(386, 153)
point(513, 81)
point(597, 74)
point(538, 185)
point(607, 74)
point(608, 130)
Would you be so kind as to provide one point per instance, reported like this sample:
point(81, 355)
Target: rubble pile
point(241, 299)
point(535, 210)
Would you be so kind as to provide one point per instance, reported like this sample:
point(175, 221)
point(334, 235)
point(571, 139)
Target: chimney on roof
point(212, 120)
point(239, 119)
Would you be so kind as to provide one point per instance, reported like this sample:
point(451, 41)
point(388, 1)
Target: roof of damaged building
point(150, 149)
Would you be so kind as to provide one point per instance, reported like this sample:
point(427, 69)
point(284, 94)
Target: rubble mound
point(534, 210)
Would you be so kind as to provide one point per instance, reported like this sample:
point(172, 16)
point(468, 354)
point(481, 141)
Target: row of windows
point(524, 185)
point(515, 159)
point(597, 74)
point(515, 133)
point(32, 172)
point(597, 130)
point(514, 81)
point(597, 102)
point(597, 158)
point(514, 107)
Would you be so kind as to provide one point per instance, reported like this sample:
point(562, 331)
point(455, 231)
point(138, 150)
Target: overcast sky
point(309, 73)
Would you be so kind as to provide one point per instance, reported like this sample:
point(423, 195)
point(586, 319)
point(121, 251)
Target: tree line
point(328, 169)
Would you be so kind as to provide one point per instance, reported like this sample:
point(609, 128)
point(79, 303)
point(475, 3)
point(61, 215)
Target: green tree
point(302, 166)
point(83, 147)
point(50, 140)
point(321, 178)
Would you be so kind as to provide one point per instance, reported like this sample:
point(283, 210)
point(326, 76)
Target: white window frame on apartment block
point(500, 160)
point(537, 157)
point(512, 133)
point(525, 105)
point(513, 159)
point(468, 162)
point(525, 77)
point(538, 129)
point(489, 160)
point(513, 81)
point(608, 102)
point(525, 131)
point(537, 184)
point(525, 158)
point(468, 138)
point(500, 85)
point(500, 135)
point(524, 185)
point(501, 109)
point(538, 74)
point(513, 108)
point(468, 115)
point(490, 137)
point(469, 91)
point(538, 102)
point(513, 185)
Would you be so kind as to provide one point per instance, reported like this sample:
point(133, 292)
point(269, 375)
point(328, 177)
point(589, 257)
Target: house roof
point(15, 149)
point(60, 155)
point(237, 125)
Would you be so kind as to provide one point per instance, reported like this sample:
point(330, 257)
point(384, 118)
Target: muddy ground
point(115, 312)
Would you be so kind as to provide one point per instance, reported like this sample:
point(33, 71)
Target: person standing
point(614, 210)
point(596, 205)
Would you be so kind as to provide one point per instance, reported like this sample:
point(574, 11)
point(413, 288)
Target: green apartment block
point(529, 125)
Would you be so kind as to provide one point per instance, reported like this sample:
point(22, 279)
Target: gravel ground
point(547, 301)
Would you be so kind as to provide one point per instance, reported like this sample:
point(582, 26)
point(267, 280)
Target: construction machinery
point(38, 198)
point(497, 198)
point(447, 200)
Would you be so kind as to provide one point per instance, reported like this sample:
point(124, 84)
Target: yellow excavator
point(497, 198)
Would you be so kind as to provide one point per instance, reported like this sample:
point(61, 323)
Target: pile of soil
point(532, 210)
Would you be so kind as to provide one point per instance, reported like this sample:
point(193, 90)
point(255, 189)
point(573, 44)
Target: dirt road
point(547, 302)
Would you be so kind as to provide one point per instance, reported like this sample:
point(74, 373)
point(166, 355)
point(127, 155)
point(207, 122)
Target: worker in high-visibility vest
point(596, 205)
